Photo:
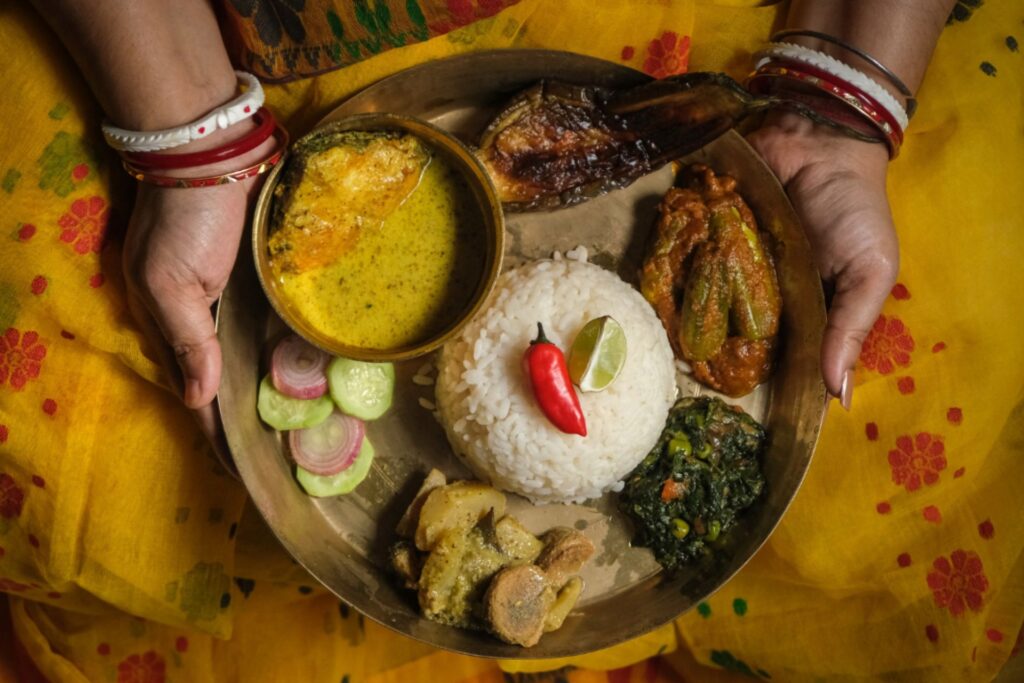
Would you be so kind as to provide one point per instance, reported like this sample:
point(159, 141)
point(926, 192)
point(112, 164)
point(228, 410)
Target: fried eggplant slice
point(557, 144)
point(336, 184)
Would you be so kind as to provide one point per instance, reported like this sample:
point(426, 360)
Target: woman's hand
point(837, 186)
point(179, 252)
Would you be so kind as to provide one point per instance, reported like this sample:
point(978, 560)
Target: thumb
point(859, 295)
point(183, 314)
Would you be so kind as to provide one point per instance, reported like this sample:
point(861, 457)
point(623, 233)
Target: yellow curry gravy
point(403, 233)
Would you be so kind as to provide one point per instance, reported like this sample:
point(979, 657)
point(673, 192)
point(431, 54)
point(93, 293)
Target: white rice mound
point(488, 409)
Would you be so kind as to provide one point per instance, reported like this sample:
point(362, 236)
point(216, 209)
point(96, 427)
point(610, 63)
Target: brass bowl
point(493, 225)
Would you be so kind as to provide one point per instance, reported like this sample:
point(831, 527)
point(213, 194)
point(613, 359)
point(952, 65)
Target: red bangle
point(891, 135)
point(841, 88)
point(855, 99)
point(144, 176)
point(248, 142)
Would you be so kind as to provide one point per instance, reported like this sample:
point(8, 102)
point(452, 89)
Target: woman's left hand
point(837, 186)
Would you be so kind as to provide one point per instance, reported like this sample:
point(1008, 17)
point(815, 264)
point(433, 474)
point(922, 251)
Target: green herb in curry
point(702, 473)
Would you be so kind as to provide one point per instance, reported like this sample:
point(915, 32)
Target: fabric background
point(127, 553)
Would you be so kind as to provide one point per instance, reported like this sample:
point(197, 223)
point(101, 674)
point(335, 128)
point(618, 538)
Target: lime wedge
point(597, 354)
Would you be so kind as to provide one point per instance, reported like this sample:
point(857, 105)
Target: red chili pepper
point(545, 366)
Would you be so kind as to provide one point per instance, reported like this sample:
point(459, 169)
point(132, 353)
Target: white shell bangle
point(838, 69)
point(238, 109)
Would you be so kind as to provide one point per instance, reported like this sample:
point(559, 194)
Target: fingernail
point(846, 391)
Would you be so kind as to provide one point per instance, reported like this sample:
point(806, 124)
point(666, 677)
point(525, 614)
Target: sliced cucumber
point(362, 390)
point(283, 412)
point(341, 483)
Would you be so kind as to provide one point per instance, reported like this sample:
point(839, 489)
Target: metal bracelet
point(893, 78)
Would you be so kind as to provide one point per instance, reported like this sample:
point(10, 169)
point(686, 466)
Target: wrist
point(798, 149)
point(177, 104)
point(791, 128)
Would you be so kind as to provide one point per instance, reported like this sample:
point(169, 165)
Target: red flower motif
point(888, 345)
point(145, 668)
point(917, 460)
point(12, 586)
point(11, 497)
point(21, 357)
point(668, 55)
point(463, 12)
point(958, 582)
point(84, 224)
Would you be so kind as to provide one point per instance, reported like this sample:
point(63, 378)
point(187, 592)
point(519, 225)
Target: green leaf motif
point(728, 661)
point(419, 21)
point(9, 308)
point(59, 111)
point(137, 628)
point(11, 179)
point(511, 26)
point(467, 35)
point(334, 21)
point(201, 591)
point(58, 161)
point(368, 21)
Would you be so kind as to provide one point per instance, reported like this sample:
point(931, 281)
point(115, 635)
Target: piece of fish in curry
point(337, 185)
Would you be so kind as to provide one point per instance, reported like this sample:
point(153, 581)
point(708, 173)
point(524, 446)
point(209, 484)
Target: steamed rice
point(489, 411)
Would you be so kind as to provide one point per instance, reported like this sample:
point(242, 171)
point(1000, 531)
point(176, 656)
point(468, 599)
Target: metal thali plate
point(342, 541)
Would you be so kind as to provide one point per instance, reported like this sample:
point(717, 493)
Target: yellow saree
point(128, 555)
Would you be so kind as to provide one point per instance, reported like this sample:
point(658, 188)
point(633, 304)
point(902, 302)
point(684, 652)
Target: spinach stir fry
point(701, 474)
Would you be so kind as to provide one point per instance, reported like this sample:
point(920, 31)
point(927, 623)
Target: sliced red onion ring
point(330, 447)
point(298, 369)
